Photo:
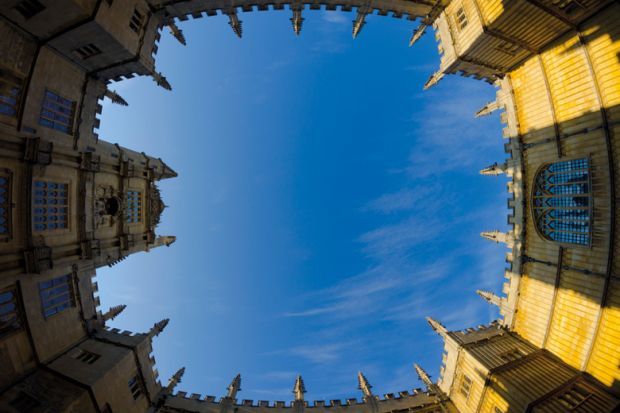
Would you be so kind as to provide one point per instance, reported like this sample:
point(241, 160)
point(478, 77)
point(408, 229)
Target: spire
point(160, 80)
point(158, 328)
point(359, 21)
point(437, 326)
point(113, 312)
point(364, 386)
point(234, 387)
point(115, 97)
point(495, 169)
point(235, 23)
point(417, 34)
point(177, 33)
point(168, 171)
point(498, 236)
point(299, 389)
point(488, 109)
point(433, 80)
point(297, 21)
point(490, 297)
point(424, 376)
point(174, 380)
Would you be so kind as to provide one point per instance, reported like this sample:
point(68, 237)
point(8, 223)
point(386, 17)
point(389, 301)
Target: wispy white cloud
point(335, 17)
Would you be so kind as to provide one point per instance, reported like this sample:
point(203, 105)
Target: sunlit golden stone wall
point(567, 101)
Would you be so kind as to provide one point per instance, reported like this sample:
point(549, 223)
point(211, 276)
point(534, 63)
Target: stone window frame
point(136, 21)
point(29, 8)
point(67, 205)
point(10, 295)
point(461, 20)
point(53, 297)
point(54, 107)
point(537, 215)
point(135, 387)
point(85, 356)
point(7, 205)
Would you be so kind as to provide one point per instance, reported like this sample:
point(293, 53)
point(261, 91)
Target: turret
point(299, 389)
point(364, 386)
point(115, 97)
point(235, 23)
point(494, 170)
point(174, 380)
point(113, 312)
point(491, 298)
point(158, 328)
point(360, 21)
point(424, 376)
point(437, 326)
point(177, 33)
point(297, 21)
point(498, 236)
point(234, 387)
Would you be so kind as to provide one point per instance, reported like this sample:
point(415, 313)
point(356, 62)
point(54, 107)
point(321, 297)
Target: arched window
point(562, 202)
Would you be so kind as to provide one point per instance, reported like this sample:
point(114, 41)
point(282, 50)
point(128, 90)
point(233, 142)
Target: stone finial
point(235, 23)
point(177, 33)
point(158, 328)
point(364, 386)
point(174, 380)
point(234, 387)
point(115, 97)
point(417, 34)
point(359, 22)
point(423, 376)
point(299, 389)
point(490, 297)
point(164, 240)
point(437, 326)
point(433, 80)
point(498, 236)
point(113, 312)
point(297, 21)
point(488, 109)
point(495, 169)
point(161, 80)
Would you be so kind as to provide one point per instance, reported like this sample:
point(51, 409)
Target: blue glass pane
point(6, 296)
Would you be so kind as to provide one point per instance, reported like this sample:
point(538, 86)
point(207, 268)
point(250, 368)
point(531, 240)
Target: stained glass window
point(562, 202)
point(10, 93)
point(5, 204)
point(134, 207)
point(51, 210)
point(56, 295)
point(57, 112)
point(10, 319)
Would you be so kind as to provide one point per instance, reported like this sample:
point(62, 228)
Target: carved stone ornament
point(156, 206)
point(108, 206)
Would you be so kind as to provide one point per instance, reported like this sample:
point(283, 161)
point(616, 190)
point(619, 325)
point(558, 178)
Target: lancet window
point(562, 202)
point(10, 319)
point(51, 210)
point(10, 93)
point(56, 295)
point(134, 207)
point(57, 112)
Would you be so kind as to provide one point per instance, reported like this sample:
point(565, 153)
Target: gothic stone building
point(70, 203)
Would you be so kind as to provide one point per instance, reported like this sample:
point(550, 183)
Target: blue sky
point(325, 205)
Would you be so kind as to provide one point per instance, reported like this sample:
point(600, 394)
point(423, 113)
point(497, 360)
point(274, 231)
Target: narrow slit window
point(574, 397)
point(134, 387)
point(136, 21)
point(461, 18)
point(134, 207)
point(561, 202)
point(465, 388)
point(10, 318)
point(29, 8)
point(57, 112)
point(10, 93)
point(87, 51)
point(85, 356)
point(50, 209)
point(5, 205)
point(57, 295)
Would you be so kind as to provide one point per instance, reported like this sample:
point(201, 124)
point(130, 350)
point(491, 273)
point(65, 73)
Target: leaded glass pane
point(10, 319)
point(57, 112)
point(134, 207)
point(56, 295)
point(562, 201)
point(50, 209)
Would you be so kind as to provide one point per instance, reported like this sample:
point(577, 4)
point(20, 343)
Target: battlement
point(401, 400)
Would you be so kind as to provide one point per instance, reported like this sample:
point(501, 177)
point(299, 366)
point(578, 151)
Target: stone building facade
point(70, 203)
